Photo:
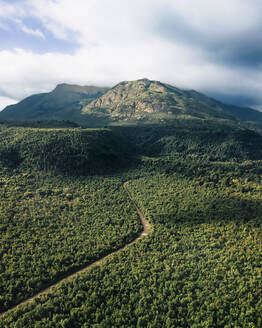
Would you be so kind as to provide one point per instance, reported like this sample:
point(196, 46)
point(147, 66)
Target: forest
point(198, 186)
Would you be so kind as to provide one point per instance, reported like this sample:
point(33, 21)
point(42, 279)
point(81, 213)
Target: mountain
point(64, 102)
point(129, 102)
point(152, 101)
point(145, 99)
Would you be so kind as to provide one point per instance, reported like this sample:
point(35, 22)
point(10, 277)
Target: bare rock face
point(146, 99)
point(131, 97)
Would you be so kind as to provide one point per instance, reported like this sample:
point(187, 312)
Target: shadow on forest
point(234, 209)
point(98, 164)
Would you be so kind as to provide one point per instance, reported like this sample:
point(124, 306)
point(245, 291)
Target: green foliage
point(75, 151)
point(42, 124)
point(238, 145)
point(53, 225)
point(209, 140)
point(199, 267)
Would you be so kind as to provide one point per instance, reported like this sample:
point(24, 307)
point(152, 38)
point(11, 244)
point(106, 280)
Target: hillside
point(129, 102)
point(146, 101)
point(69, 151)
point(63, 103)
point(207, 141)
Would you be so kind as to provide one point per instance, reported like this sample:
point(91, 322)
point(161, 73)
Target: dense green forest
point(199, 187)
point(210, 140)
point(52, 225)
point(41, 124)
point(68, 151)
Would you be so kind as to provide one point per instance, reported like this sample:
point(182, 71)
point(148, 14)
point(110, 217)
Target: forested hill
point(130, 102)
point(78, 151)
point(68, 151)
point(212, 142)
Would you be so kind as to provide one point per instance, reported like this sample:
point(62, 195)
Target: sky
point(214, 46)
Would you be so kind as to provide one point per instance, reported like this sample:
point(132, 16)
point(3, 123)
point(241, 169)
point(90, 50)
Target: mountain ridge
point(61, 103)
point(139, 101)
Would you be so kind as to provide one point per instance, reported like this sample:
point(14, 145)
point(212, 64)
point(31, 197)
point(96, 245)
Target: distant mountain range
point(129, 102)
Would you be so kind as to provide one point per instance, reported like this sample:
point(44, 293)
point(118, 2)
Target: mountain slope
point(61, 103)
point(145, 100)
point(129, 102)
point(245, 114)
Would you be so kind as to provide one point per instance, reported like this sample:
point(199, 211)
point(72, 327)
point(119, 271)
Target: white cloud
point(24, 73)
point(5, 101)
point(15, 12)
point(98, 21)
point(218, 16)
point(119, 40)
point(28, 30)
point(9, 10)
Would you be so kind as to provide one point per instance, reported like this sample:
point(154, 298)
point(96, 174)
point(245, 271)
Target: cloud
point(9, 10)
point(15, 13)
point(214, 46)
point(27, 30)
point(5, 101)
point(228, 32)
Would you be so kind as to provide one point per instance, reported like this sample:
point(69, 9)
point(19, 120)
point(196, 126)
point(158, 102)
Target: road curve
point(145, 232)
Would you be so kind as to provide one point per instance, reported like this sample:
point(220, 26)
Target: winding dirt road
point(145, 232)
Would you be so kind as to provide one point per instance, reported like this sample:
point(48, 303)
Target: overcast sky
point(213, 46)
